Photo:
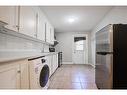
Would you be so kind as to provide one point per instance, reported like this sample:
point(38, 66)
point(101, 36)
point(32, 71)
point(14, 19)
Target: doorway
point(80, 49)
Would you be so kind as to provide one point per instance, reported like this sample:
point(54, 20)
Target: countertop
point(12, 56)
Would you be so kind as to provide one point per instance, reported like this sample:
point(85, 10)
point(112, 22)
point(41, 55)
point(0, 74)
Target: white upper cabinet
point(28, 21)
point(40, 25)
point(52, 35)
point(9, 14)
point(48, 32)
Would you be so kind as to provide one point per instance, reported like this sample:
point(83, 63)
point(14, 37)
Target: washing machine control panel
point(43, 61)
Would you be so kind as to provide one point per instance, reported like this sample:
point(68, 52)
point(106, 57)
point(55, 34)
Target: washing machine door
point(44, 75)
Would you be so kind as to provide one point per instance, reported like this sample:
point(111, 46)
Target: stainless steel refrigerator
point(111, 57)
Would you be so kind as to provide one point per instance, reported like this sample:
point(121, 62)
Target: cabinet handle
point(19, 71)
point(16, 26)
point(35, 35)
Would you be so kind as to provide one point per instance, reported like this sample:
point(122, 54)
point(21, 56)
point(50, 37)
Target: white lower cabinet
point(24, 76)
point(49, 61)
point(14, 75)
point(54, 63)
point(10, 77)
point(57, 60)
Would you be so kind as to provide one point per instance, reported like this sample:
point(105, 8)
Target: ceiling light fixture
point(71, 20)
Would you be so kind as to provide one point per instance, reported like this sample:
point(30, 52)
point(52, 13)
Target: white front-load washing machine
point(39, 73)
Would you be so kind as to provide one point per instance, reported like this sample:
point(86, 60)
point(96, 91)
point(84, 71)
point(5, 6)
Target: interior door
point(79, 52)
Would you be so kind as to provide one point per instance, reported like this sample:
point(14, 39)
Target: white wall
point(65, 45)
point(115, 16)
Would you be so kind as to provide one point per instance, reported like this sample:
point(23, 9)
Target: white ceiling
point(86, 17)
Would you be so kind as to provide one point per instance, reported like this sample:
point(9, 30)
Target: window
point(79, 43)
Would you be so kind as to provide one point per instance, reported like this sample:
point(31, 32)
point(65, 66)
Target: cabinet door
point(49, 62)
point(53, 64)
point(24, 75)
point(52, 35)
point(28, 21)
point(48, 32)
point(56, 61)
point(9, 14)
point(41, 26)
point(10, 77)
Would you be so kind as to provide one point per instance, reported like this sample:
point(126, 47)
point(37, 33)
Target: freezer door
point(104, 71)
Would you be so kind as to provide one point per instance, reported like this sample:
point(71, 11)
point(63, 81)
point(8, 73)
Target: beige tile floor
point(73, 77)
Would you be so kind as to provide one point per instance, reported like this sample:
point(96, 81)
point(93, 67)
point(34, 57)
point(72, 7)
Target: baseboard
point(72, 63)
point(67, 62)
